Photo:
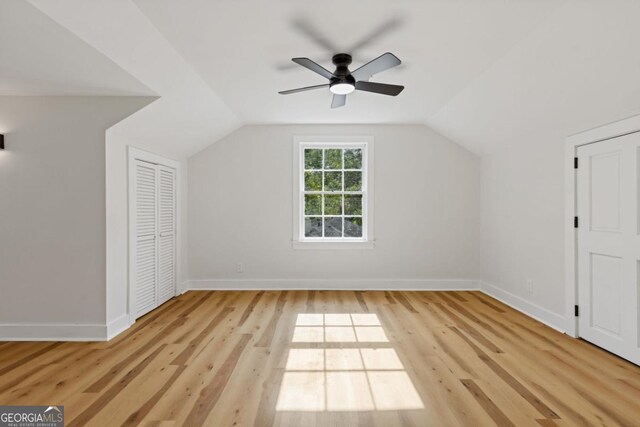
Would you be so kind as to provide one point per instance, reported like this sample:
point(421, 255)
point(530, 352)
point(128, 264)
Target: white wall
point(522, 228)
point(240, 209)
point(118, 220)
point(52, 206)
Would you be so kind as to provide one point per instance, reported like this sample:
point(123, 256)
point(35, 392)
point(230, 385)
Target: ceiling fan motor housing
point(342, 73)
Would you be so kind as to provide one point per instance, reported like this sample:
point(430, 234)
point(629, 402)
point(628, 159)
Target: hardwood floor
point(329, 358)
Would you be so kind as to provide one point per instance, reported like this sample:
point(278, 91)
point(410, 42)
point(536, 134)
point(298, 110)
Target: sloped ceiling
point(487, 74)
point(243, 51)
point(578, 69)
point(188, 116)
point(39, 57)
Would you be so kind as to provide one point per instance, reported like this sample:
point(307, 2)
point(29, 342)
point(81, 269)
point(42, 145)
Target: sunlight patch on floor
point(333, 328)
point(344, 379)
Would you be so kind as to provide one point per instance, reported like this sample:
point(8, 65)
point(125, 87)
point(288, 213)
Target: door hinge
point(576, 310)
point(575, 222)
point(575, 163)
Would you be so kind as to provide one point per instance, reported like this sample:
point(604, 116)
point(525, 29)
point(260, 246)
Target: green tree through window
point(333, 191)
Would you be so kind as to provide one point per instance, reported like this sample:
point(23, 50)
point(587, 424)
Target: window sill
point(296, 244)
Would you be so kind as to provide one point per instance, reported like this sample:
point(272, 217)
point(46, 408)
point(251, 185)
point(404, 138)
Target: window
point(333, 188)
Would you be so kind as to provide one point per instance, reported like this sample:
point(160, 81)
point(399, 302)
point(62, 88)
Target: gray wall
point(522, 231)
point(426, 208)
point(52, 208)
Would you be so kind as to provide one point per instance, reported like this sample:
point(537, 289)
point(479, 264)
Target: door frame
point(134, 154)
point(602, 133)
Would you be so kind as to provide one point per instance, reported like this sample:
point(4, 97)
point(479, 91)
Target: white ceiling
point(485, 73)
point(188, 116)
point(241, 48)
point(39, 57)
point(577, 70)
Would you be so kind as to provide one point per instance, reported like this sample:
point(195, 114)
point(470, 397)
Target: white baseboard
point(183, 287)
point(96, 332)
point(64, 332)
point(117, 326)
point(332, 284)
point(52, 332)
point(530, 309)
point(541, 314)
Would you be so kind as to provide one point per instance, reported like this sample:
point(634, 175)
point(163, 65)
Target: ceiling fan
point(342, 81)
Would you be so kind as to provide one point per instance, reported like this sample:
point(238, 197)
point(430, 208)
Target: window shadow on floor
point(344, 362)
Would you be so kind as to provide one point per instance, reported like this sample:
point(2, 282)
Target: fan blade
point(310, 31)
point(381, 63)
point(288, 65)
point(302, 89)
point(316, 68)
point(338, 101)
point(380, 31)
point(381, 88)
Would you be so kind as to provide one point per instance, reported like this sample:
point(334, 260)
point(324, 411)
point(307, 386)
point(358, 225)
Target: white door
point(609, 244)
point(145, 265)
point(166, 233)
point(153, 260)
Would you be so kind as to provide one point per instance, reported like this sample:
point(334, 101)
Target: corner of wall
point(117, 326)
point(532, 310)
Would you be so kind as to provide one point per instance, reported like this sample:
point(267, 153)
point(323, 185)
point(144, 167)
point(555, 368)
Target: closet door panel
point(146, 227)
point(167, 235)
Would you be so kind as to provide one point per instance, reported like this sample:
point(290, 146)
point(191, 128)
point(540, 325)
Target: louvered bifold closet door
point(167, 235)
point(146, 227)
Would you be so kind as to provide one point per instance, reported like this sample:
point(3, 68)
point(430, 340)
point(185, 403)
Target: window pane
point(332, 181)
point(353, 205)
point(333, 158)
point(313, 227)
point(333, 227)
point(353, 227)
point(352, 181)
point(333, 205)
point(313, 181)
point(313, 158)
point(313, 204)
point(330, 171)
point(353, 158)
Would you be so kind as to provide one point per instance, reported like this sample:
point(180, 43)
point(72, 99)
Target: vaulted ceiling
point(486, 74)
point(40, 57)
point(243, 50)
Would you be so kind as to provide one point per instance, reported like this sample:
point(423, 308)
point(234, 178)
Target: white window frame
point(300, 143)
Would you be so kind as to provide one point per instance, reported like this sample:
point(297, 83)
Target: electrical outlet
point(530, 286)
point(239, 267)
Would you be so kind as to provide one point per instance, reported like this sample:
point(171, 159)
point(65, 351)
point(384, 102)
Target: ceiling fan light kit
point(343, 82)
point(342, 88)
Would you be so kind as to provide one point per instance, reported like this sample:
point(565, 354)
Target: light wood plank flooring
point(327, 358)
